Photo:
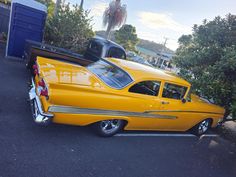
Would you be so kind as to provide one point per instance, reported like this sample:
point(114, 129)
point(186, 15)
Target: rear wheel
point(202, 127)
point(108, 128)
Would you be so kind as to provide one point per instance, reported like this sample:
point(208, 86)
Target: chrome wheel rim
point(203, 126)
point(110, 126)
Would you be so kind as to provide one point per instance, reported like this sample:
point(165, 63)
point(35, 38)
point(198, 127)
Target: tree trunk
point(108, 31)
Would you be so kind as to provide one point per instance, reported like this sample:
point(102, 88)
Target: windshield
point(110, 74)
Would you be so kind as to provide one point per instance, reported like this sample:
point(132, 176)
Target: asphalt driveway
point(58, 150)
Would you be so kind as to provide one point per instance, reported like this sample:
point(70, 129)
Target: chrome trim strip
point(153, 111)
point(76, 110)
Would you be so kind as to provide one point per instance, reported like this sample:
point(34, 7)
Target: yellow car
point(114, 94)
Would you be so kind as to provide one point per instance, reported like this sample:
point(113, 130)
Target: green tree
point(50, 6)
point(69, 29)
point(127, 37)
point(207, 59)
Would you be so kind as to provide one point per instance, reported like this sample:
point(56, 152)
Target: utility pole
point(58, 2)
point(63, 2)
point(81, 4)
point(162, 50)
point(166, 39)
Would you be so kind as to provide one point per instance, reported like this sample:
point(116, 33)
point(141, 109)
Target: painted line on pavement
point(162, 135)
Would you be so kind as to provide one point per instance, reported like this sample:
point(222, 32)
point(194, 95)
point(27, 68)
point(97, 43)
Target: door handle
point(164, 102)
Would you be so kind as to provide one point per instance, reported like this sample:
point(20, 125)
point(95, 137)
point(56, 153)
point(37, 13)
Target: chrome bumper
point(40, 117)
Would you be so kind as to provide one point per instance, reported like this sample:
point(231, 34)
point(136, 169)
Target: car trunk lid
point(65, 73)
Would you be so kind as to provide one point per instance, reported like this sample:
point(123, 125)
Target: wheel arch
point(125, 119)
point(209, 118)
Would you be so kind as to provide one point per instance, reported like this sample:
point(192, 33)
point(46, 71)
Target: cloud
point(96, 12)
point(172, 44)
point(161, 21)
point(98, 8)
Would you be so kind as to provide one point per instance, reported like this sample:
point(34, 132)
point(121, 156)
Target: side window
point(95, 48)
point(174, 91)
point(146, 88)
point(116, 53)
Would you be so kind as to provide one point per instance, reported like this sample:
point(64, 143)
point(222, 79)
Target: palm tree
point(114, 16)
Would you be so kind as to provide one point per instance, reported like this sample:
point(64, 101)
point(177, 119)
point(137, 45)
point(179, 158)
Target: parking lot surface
point(58, 150)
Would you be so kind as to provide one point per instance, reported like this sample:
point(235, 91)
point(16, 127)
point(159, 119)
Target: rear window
point(95, 48)
point(110, 74)
point(116, 53)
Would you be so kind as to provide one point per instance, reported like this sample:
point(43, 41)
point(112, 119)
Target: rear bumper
point(39, 116)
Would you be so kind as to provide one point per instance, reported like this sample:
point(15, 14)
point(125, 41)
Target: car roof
point(107, 42)
point(143, 72)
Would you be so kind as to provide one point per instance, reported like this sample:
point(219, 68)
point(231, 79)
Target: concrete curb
point(228, 131)
point(230, 126)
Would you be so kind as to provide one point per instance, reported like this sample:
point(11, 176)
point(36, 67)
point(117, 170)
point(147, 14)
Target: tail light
point(42, 83)
point(35, 66)
point(36, 69)
point(43, 90)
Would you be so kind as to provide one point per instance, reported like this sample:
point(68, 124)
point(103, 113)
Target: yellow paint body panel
point(74, 86)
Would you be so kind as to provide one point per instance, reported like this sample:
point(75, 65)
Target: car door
point(145, 94)
point(171, 104)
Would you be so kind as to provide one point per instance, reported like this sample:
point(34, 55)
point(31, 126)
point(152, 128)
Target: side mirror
point(184, 100)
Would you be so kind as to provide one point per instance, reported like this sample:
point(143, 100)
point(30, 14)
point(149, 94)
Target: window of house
point(146, 88)
point(174, 91)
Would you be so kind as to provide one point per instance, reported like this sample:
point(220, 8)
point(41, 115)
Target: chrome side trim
point(76, 110)
point(156, 111)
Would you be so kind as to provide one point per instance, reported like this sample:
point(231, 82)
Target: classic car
point(113, 94)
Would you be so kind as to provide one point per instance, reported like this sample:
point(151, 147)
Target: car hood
point(58, 72)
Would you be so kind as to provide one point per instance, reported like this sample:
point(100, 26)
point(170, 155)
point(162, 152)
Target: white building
point(161, 60)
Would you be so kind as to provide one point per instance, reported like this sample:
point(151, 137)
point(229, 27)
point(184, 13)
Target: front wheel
point(202, 127)
point(108, 128)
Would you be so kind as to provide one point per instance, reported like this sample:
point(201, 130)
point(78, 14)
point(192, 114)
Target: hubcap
point(203, 126)
point(110, 126)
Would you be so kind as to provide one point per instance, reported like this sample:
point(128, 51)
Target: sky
point(156, 20)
